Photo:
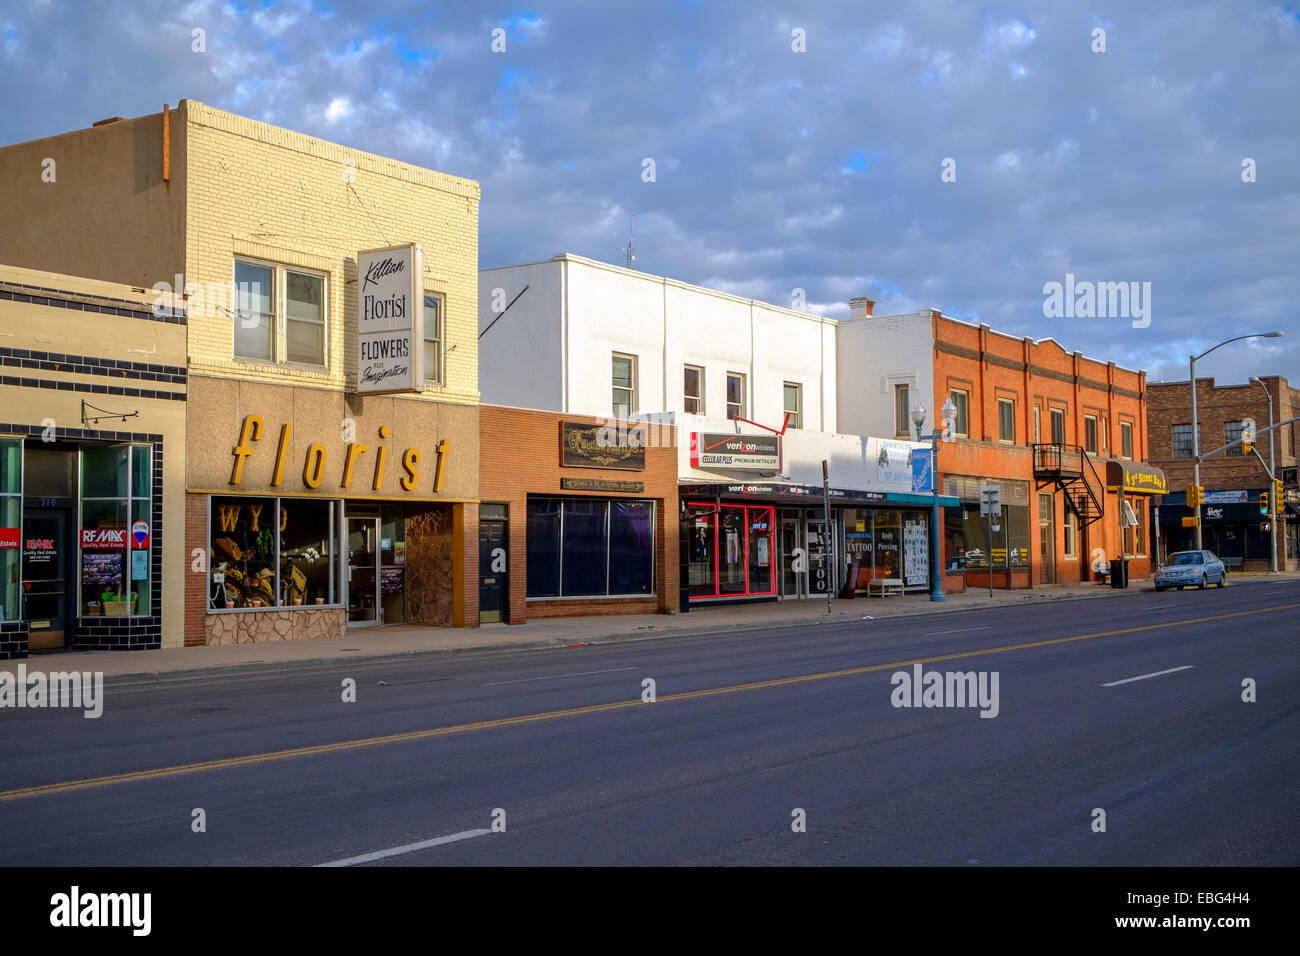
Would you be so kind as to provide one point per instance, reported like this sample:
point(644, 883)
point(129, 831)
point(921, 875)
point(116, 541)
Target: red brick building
point(1066, 438)
point(1231, 523)
point(1063, 436)
point(575, 517)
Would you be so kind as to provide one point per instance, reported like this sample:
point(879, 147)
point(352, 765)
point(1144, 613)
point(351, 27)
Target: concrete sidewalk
point(193, 663)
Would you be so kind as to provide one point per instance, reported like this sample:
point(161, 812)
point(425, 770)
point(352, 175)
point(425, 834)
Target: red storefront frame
point(714, 509)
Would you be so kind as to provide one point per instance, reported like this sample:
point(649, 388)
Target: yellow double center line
point(246, 761)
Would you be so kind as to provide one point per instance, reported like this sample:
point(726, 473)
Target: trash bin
point(1119, 572)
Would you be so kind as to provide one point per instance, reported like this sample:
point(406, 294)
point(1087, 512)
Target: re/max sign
point(354, 463)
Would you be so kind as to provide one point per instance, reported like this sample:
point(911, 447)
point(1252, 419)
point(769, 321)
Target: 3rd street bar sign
point(390, 319)
point(737, 452)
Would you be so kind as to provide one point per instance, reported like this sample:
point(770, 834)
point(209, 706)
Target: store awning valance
point(786, 493)
point(1136, 478)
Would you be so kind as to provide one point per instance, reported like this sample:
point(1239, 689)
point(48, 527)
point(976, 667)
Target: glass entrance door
point(794, 560)
point(363, 571)
point(45, 578)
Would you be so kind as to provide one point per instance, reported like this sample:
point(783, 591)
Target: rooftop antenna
point(629, 253)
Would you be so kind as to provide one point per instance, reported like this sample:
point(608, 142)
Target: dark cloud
point(775, 169)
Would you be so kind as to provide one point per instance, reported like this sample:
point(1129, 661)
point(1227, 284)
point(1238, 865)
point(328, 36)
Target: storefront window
point(701, 552)
point(392, 563)
point(631, 547)
point(242, 551)
point(760, 550)
point(730, 550)
point(587, 547)
point(11, 509)
point(306, 530)
point(583, 548)
point(887, 554)
point(116, 529)
point(543, 547)
point(244, 534)
point(1010, 541)
point(954, 539)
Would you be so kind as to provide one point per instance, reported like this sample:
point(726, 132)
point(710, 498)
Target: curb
point(216, 672)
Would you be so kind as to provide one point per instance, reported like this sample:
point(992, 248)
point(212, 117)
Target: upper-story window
point(1232, 432)
point(1058, 426)
point(735, 395)
point(624, 385)
point(1090, 434)
point(1126, 439)
point(902, 412)
point(693, 390)
point(1006, 420)
point(1183, 440)
point(794, 404)
point(1037, 427)
point(279, 314)
point(961, 423)
point(433, 338)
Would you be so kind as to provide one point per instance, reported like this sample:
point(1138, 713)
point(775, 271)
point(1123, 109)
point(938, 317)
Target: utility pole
point(1272, 473)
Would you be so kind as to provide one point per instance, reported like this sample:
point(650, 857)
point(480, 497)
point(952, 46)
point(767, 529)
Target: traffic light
point(1277, 491)
point(1195, 496)
point(1247, 435)
point(1263, 503)
point(1245, 444)
point(1190, 521)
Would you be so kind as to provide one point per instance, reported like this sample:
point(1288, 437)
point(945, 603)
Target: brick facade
point(230, 187)
point(520, 455)
point(1218, 406)
point(1037, 378)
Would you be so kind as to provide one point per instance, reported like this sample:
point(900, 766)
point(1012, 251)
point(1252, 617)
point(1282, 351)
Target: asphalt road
point(711, 772)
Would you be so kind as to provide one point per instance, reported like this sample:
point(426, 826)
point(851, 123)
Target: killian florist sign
point(390, 319)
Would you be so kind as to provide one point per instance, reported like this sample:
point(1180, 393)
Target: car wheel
point(1180, 587)
point(1223, 579)
point(1159, 589)
point(1203, 583)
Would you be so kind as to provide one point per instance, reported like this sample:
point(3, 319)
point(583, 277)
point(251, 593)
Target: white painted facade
point(877, 353)
point(553, 350)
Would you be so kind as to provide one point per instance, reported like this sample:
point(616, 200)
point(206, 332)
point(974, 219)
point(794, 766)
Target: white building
point(754, 391)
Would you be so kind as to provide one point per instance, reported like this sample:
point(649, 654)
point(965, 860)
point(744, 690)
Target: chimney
point(860, 308)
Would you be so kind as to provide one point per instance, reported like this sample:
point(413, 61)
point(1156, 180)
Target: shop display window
point(590, 547)
point(271, 552)
point(730, 552)
point(116, 532)
point(11, 511)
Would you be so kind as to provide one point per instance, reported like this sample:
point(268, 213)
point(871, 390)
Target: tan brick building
point(321, 496)
point(92, 464)
point(1233, 482)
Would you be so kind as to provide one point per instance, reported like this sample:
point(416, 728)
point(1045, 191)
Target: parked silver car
point(1191, 569)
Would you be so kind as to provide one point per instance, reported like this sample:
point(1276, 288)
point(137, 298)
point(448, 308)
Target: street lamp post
point(1272, 505)
point(1196, 438)
point(949, 412)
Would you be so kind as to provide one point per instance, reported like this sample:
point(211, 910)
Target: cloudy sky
point(792, 148)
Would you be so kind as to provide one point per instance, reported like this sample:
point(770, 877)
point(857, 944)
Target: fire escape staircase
point(1071, 470)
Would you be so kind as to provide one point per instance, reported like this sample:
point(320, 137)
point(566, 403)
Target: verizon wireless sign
point(736, 452)
point(390, 319)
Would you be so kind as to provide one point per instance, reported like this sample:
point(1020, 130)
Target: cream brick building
point(202, 200)
point(92, 439)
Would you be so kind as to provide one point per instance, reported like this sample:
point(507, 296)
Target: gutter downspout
point(564, 334)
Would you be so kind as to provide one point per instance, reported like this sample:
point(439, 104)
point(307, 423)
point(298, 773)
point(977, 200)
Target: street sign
point(990, 501)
